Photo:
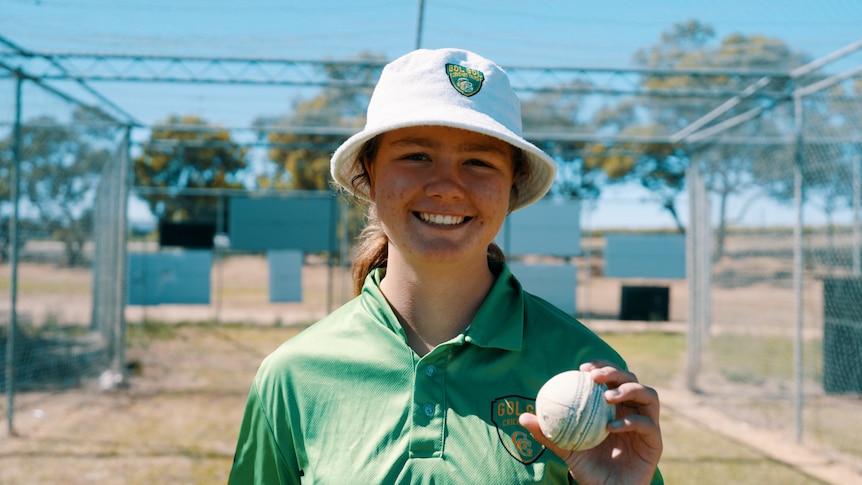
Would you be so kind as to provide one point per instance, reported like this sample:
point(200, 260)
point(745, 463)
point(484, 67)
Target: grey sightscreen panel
point(555, 283)
point(302, 223)
point(181, 277)
point(657, 256)
point(546, 227)
point(285, 276)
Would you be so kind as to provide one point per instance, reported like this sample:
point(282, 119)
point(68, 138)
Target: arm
point(262, 459)
point(630, 454)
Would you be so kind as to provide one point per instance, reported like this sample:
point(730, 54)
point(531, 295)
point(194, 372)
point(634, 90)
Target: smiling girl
point(430, 374)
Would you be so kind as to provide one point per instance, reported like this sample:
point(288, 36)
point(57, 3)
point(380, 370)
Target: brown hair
point(373, 249)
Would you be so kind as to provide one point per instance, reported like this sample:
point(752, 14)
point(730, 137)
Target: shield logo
point(465, 80)
point(514, 437)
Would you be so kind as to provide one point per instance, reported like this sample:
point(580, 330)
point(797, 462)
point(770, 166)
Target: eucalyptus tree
point(551, 117)
point(60, 165)
point(729, 167)
point(187, 153)
point(303, 139)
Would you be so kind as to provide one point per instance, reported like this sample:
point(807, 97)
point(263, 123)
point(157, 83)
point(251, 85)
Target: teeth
point(441, 219)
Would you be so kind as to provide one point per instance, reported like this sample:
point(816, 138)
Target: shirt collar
point(499, 323)
point(375, 302)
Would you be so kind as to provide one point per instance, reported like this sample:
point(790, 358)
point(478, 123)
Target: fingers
point(531, 422)
point(624, 390)
point(606, 372)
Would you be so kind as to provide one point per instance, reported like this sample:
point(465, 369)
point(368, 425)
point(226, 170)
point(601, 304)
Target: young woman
point(430, 374)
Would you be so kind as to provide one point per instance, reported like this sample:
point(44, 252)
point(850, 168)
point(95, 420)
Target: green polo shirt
point(347, 401)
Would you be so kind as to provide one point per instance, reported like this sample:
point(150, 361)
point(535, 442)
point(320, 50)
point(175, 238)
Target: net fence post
point(698, 273)
point(13, 238)
point(856, 256)
point(798, 265)
point(123, 180)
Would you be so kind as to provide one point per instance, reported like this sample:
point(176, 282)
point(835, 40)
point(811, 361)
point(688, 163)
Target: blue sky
point(552, 33)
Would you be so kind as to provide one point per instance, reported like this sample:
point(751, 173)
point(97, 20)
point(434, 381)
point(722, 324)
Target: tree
point(5, 195)
point(302, 159)
point(727, 171)
point(828, 151)
point(658, 167)
point(188, 153)
point(547, 113)
point(60, 167)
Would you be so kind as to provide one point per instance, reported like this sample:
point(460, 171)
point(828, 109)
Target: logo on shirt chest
point(514, 437)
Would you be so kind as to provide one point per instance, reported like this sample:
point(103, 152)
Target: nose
point(445, 183)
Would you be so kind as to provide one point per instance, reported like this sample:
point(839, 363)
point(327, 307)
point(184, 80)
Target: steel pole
point(857, 220)
point(13, 256)
point(798, 195)
point(420, 23)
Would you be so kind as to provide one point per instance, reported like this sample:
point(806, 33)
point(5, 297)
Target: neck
point(435, 302)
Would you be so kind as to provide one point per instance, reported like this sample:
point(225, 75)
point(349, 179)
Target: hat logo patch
point(465, 80)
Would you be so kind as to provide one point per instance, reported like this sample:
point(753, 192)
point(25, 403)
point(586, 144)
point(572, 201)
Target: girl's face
point(442, 193)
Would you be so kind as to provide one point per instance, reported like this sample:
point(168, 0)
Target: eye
point(478, 163)
point(415, 156)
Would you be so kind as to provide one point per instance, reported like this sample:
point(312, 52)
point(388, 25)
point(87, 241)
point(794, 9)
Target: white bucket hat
point(445, 87)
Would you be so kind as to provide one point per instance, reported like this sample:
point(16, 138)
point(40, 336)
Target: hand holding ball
point(572, 411)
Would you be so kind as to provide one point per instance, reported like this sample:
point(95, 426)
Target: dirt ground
point(187, 372)
point(175, 423)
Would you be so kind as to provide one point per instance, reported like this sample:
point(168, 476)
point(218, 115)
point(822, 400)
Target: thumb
point(531, 422)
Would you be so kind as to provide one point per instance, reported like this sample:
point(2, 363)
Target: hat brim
point(345, 168)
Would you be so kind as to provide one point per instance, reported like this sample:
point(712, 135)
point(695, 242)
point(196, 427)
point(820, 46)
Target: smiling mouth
point(441, 220)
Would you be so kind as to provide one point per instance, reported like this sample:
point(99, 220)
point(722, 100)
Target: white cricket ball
point(573, 412)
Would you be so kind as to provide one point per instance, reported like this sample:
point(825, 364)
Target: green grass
point(753, 359)
point(656, 358)
point(694, 454)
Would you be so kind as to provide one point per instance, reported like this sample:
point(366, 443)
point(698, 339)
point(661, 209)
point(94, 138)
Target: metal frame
point(85, 68)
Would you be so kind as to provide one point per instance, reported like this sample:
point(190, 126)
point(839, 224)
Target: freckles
point(389, 198)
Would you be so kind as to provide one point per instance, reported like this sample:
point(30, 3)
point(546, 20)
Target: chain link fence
point(781, 348)
point(773, 309)
point(63, 237)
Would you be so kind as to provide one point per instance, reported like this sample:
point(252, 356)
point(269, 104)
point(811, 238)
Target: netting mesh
point(782, 347)
point(785, 347)
point(66, 157)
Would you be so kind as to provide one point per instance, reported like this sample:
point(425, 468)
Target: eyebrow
point(464, 148)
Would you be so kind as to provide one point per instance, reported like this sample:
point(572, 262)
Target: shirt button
point(428, 409)
point(431, 371)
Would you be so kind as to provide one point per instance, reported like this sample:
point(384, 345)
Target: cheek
point(499, 195)
point(388, 192)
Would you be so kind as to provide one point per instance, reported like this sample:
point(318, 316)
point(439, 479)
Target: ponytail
point(372, 252)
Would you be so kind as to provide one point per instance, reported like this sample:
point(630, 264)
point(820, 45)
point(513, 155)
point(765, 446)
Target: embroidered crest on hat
point(465, 80)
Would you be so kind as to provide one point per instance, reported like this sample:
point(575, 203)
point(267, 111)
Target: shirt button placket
point(429, 398)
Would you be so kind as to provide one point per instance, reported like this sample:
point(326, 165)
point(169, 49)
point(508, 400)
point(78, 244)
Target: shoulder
point(353, 333)
point(321, 335)
point(559, 334)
